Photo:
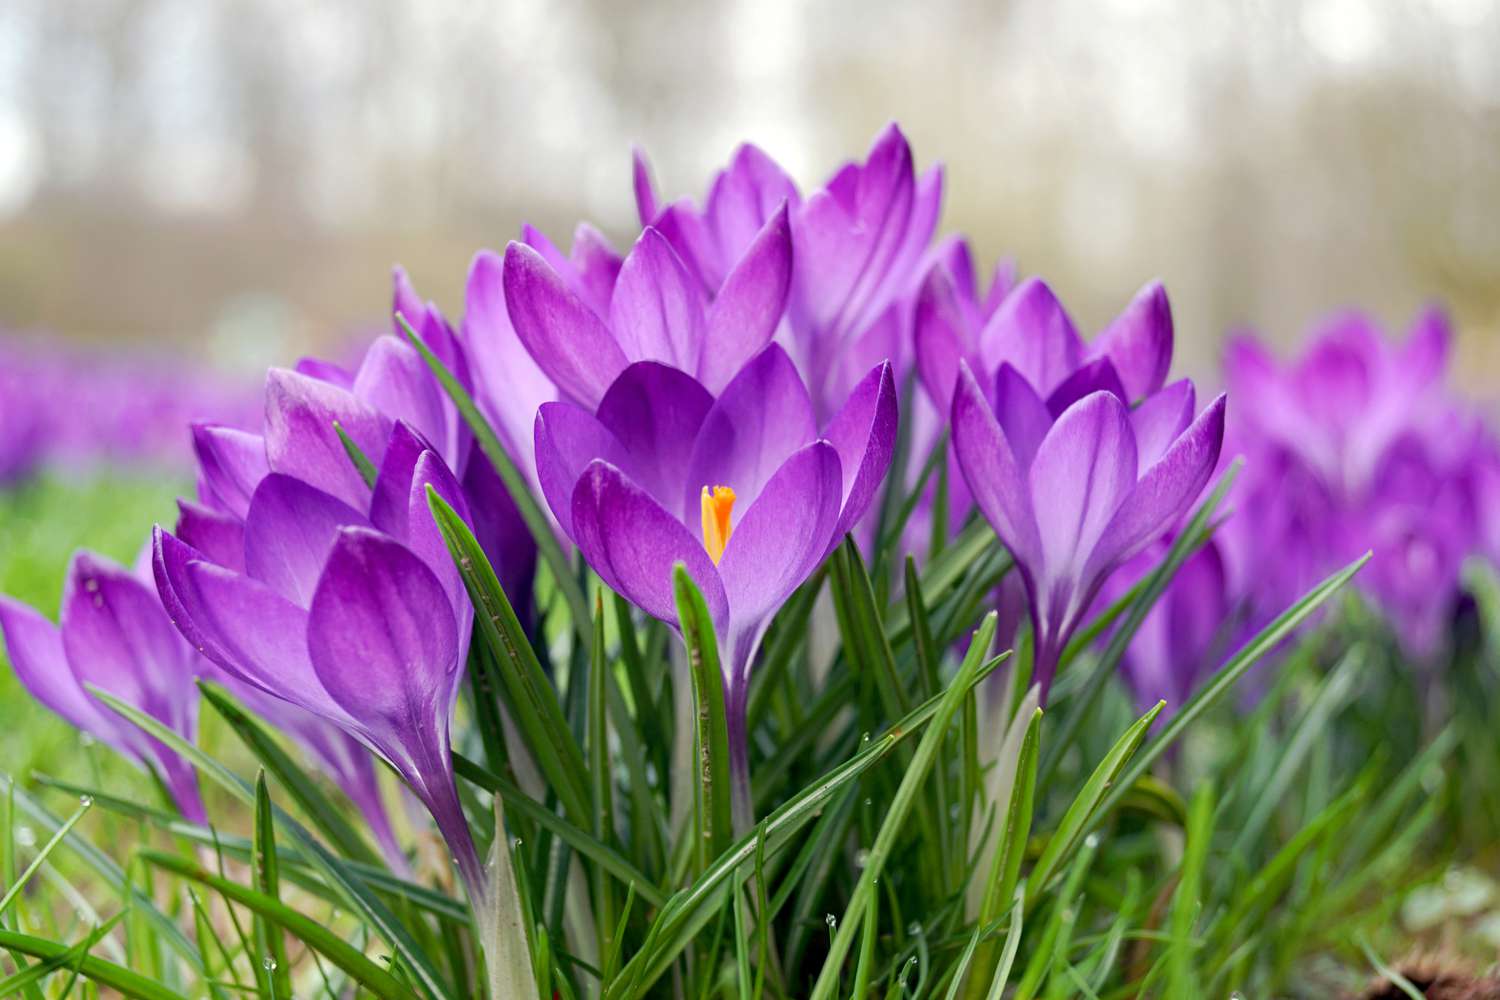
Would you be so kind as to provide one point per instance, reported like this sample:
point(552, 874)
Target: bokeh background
point(230, 180)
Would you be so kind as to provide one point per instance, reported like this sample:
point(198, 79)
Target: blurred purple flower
point(114, 635)
point(859, 244)
point(743, 490)
point(1077, 482)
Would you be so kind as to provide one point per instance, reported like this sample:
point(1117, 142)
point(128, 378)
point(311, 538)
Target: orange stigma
point(717, 505)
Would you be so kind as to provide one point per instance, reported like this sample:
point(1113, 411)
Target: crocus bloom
point(113, 635)
point(1361, 437)
point(743, 490)
point(858, 242)
point(354, 614)
point(1076, 482)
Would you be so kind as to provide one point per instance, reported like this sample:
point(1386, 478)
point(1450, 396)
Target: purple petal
point(997, 481)
point(655, 413)
point(1084, 470)
point(864, 434)
point(1093, 376)
point(568, 438)
point(35, 648)
point(783, 536)
point(405, 301)
point(1424, 356)
point(939, 337)
point(1139, 342)
point(645, 191)
point(301, 440)
point(325, 371)
point(511, 386)
point(564, 336)
point(288, 534)
point(763, 415)
point(1165, 491)
point(220, 537)
point(744, 197)
point(231, 464)
point(749, 306)
point(395, 380)
point(1160, 418)
point(1032, 331)
point(1021, 414)
point(390, 501)
point(384, 642)
point(501, 532)
point(597, 267)
point(657, 312)
point(632, 543)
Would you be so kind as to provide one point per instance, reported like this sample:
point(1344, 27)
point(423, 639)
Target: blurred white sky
point(172, 167)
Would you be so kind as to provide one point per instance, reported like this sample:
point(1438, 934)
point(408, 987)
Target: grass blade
point(712, 793)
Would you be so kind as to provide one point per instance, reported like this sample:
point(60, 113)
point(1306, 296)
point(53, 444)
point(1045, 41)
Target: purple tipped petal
point(1160, 418)
point(748, 308)
point(288, 533)
point(1083, 470)
point(395, 380)
point(301, 440)
point(220, 537)
point(231, 463)
point(511, 384)
point(597, 267)
point(989, 466)
point(632, 543)
point(564, 336)
point(1021, 414)
point(325, 371)
point(655, 413)
point(1139, 342)
point(568, 438)
point(35, 648)
point(383, 639)
point(1093, 376)
point(763, 415)
point(645, 191)
point(783, 536)
point(864, 434)
point(744, 196)
point(1165, 490)
point(1032, 331)
point(657, 312)
point(939, 339)
point(405, 301)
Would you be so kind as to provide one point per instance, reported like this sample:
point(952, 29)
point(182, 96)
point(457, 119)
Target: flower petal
point(632, 543)
point(35, 648)
point(657, 311)
point(645, 191)
point(748, 308)
point(220, 537)
point(511, 385)
point(1022, 415)
point(744, 196)
point(762, 416)
point(1093, 376)
point(395, 380)
point(568, 438)
point(564, 336)
point(782, 536)
point(1139, 342)
point(1032, 331)
point(1165, 491)
point(655, 413)
point(288, 534)
point(995, 478)
point(383, 640)
point(301, 440)
point(939, 336)
point(501, 532)
point(864, 434)
point(230, 464)
point(1160, 418)
point(1084, 470)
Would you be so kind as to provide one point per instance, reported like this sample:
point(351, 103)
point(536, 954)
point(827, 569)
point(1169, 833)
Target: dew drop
point(914, 929)
point(85, 800)
point(25, 836)
point(268, 963)
point(1091, 841)
point(861, 858)
point(831, 921)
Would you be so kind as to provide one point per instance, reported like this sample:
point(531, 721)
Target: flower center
point(717, 505)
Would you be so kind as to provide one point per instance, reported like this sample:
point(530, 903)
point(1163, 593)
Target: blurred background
point(229, 181)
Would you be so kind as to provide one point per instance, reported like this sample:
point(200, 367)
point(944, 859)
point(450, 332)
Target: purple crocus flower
point(114, 635)
point(355, 614)
point(859, 244)
point(743, 490)
point(1077, 481)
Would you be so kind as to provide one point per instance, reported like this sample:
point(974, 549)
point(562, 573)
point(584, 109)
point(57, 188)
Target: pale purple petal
point(395, 380)
point(1424, 357)
point(632, 543)
point(568, 438)
point(511, 385)
point(219, 536)
point(657, 312)
point(288, 533)
point(745, 314)
point(325, 371)
point(995, 478)
point(939, 336)
point(1022, 415)
point(1032, 331)
point(1139, 342)
point(35, 649)
point(645, 191)
point(763, 415)
point(655, 413)
point(1160, 418)
point(231, 463)
point(566, 339)
point(744, 196)
point(864, 434)
point(301, 440)
point(596, 265)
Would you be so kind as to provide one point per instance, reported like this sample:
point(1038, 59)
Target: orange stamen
point(717, 505)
